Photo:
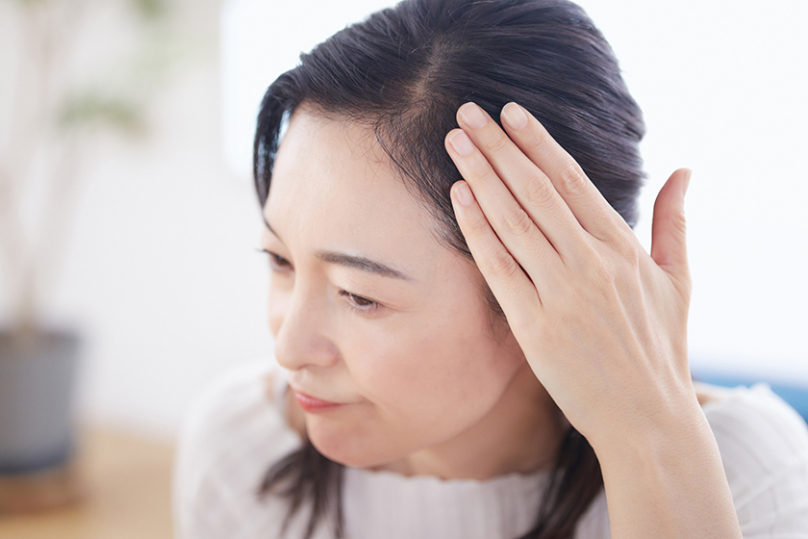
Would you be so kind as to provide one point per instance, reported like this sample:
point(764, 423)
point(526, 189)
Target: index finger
point(591, 210)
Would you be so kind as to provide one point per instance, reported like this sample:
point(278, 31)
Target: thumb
point(668, 245)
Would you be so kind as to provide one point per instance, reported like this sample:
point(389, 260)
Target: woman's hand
point(602, 324)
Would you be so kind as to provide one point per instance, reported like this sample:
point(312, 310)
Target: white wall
point(163, 277)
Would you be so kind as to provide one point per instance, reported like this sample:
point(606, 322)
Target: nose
point(299, 322)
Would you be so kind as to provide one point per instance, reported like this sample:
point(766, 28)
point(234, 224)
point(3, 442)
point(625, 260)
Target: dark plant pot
point(37, 379)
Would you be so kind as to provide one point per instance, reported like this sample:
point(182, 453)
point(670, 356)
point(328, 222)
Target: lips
point(313, 404)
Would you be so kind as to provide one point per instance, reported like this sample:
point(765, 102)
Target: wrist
point(652, 421)
point(659, 442)
point(667, 480)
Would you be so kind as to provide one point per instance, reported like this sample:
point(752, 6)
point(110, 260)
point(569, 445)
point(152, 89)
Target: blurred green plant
point(89, 108)
point(58, 108)
point(151, 9)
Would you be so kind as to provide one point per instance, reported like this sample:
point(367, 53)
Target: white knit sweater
point(235, 433)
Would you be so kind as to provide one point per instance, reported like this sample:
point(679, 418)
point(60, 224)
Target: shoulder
point(234, 432)
point(764, 447)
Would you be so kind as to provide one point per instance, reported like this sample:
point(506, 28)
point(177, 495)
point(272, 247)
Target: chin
point(351, 450)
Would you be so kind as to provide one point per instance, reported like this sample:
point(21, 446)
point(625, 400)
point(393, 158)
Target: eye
point(359, 303)
point(276, 261)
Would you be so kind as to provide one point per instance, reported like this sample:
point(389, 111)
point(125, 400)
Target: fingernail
point(464, 195)
point(514, 116)
point(461, 142)
point(473, 115)
point(686, 183)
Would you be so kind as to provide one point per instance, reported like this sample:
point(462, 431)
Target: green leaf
point(91, 108)
point(151, 10)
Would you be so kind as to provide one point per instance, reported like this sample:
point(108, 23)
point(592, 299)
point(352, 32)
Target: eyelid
point(281, 264)
point(371, 307)
point(276, 261)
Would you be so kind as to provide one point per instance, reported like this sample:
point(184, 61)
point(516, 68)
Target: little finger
point(511, 223)
point(513, 289)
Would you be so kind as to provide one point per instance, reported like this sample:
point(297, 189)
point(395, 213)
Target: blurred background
point(126, 197)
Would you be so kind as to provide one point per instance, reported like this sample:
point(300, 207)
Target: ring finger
point(512, 225)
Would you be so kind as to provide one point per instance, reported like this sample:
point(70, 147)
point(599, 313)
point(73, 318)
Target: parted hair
point(404, 72)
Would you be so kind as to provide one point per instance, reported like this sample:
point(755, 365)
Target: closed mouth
point(312, 404)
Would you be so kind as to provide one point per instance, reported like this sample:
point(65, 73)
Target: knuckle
point(478, 167)
point(498, 143)
point(538, 192)
point(539, 137)
point(518, 222)
point(572, 177)
point(502, 264)
point(679, 223)
point(628, 251)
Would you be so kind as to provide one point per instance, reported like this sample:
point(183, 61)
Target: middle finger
point(513, 226)
point(528, 184)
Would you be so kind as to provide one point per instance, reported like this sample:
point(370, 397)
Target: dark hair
point(404, 72)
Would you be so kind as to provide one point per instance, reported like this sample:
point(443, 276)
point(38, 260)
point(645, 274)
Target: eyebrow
point(354, 261)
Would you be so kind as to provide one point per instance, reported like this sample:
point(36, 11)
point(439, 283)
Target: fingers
point(586, 203)
point(504, 217)
point(506, 278)
point(525, 181)
point(668, 245)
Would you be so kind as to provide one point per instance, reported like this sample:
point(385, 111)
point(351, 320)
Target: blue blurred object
point(794, 394)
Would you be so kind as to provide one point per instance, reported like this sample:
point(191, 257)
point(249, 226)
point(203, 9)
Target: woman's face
point(368, 309)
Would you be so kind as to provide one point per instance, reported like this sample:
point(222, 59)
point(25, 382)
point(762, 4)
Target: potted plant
point(55, 111)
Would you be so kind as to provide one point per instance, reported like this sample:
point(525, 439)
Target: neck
point(520, 434)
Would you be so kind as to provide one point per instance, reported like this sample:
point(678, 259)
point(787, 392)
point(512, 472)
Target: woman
point(472, 341)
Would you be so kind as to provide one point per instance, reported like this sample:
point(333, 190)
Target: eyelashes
point(277, 262)
point(359, 304)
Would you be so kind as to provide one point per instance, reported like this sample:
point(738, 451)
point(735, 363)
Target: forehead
point(334, 188)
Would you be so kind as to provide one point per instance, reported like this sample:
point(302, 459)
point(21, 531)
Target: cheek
point(448, 368)
point(423, 382)
point(417, 396)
